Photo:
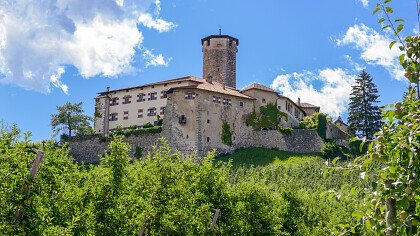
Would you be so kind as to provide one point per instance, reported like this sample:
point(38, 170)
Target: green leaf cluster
point(226, 134)
point(267, 118)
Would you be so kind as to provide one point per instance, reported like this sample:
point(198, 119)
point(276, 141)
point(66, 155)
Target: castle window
point(208, 139)
point(113, 117)
point(263, 100)
point(162, 110)
point(219, 100)
point(241, 104)
point(208, 121)
point(190, 95)
point(141, 97)
point(164, 94)
point(166, 84)
point(126, 99)
point(227, 101)
point(151, 111)
point(153, 86)
point(125, 115)
point(182, 119)
point(214, 99)
point(140, 113)
point(279, 107)
point(152, 96)
point(114, 101)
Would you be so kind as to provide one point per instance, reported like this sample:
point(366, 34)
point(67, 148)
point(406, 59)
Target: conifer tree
point(364, 116)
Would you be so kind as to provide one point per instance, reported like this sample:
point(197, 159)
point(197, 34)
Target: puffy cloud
point(39, 38)
point(374, 49)
point(332, 95)
point(155, 60)
point(365, 3)
point(158, 24)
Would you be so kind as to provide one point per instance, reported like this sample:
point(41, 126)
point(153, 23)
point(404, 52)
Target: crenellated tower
point(219, 59)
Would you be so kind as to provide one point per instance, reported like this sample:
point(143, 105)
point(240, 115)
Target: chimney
point(298, 101)
point(224, 86)
point(107, 88)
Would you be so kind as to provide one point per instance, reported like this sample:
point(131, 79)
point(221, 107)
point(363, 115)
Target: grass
point(263, 157)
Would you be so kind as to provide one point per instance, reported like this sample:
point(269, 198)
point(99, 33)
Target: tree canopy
point(71, 117)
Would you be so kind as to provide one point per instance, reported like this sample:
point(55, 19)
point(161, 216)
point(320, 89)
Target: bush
point(331, 150)
point(356, 149)
point(148, 125)
point(285, 130)
point(316, 121)
point(226, 134)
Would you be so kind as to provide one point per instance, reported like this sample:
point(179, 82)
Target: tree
point(364, 115)
point(70, 118)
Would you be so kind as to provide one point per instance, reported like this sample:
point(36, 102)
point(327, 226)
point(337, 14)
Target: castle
point(194, 109)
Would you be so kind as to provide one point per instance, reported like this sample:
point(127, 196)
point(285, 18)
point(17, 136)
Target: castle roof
point(339, 120)
point(308, 105)
point(214, 87)
point(260, 87)
point(186, 78)
point(220, 36)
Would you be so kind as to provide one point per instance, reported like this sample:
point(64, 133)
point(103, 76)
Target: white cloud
point(374, 49)
point(332, 96)
point(365, 3)
point(158, 24)
point(155, 60)
point(40, 38)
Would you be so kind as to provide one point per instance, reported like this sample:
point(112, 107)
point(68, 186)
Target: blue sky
point(55, 51)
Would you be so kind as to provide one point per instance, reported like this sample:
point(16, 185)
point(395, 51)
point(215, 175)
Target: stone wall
point(298, 141)
point(88, 150)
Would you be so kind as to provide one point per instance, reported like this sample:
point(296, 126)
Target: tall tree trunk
point(391, 212)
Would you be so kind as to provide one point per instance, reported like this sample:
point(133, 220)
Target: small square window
point(241, 104)
point(263, 100)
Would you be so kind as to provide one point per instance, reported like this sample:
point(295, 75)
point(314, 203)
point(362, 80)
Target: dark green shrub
point(148, 125)
point(356, 149)
point(331, 150)
point(226, 134)
point(138, 153)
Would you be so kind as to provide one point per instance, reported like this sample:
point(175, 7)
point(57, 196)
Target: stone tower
point(219, 59)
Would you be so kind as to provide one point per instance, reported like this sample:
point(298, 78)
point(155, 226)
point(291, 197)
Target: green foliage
point(166, 193)
point(138, 153)
point(296, 186)
point(148, 125)
point(70, 118)
point(364, 116)
point(331, 150)
point(226, 134)
point(358, 147)
point(268, 117)
point(285, 130)
point(316, 121)
point(137, 131)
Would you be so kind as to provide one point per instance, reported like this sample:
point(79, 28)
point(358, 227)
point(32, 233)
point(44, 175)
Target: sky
point(58, 51)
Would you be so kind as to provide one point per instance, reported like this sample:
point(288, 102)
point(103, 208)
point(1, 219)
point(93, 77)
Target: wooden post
point(34, 169)
point(145, 219)
point(36, 164)
point(217, 214)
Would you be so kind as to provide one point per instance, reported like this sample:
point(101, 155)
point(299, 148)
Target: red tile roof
point(215, 87)
point(260, 87)
point(308, 105)
point(186, 78)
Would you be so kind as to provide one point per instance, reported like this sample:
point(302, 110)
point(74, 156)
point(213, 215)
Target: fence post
point(34, 169)
point(217, 214)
